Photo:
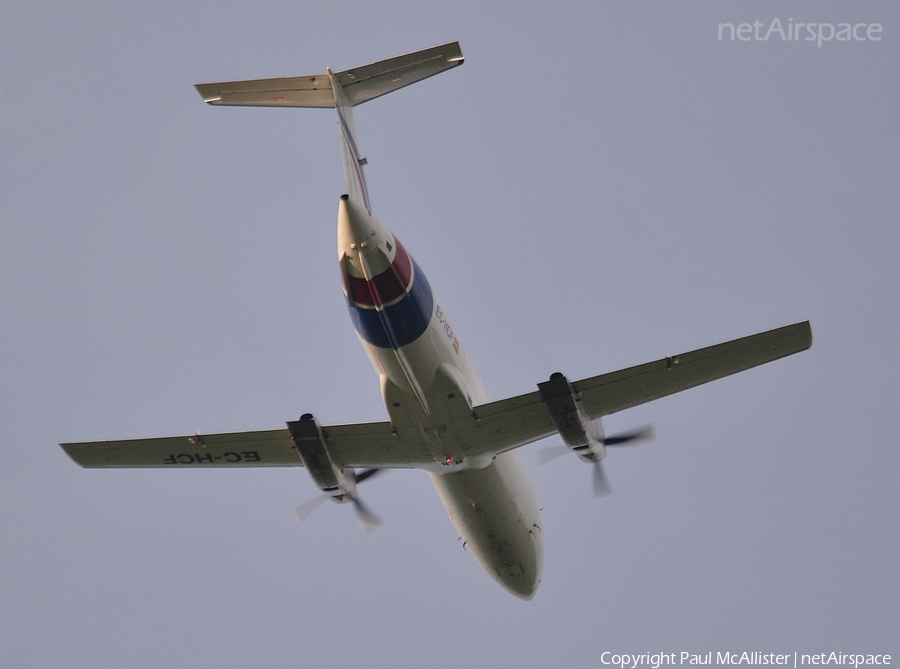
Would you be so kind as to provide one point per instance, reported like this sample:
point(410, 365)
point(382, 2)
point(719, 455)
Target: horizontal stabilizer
point(359, 84)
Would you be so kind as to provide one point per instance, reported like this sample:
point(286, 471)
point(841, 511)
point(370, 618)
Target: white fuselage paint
point(491, 502)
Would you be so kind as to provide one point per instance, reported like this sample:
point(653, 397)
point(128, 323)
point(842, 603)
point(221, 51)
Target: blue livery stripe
point(401, 323)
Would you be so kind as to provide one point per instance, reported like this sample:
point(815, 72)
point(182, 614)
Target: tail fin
point(343, 91)
point(352, 161)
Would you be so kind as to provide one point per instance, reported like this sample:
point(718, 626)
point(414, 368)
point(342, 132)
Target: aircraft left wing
point(261, 448)
point(358, 445)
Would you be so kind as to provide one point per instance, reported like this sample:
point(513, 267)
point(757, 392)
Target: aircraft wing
point(262, 448)
point(520, 420)
point(357, 445)
point(608, 393)
point(492, 428)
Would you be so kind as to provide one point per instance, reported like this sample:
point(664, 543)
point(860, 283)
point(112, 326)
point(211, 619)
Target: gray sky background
point(601, 184)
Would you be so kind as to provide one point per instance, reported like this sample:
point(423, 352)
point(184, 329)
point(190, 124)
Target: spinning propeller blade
point(601, 487)
point(364, 516)
point(368, 473)
point(642, 434)
point(301, 513)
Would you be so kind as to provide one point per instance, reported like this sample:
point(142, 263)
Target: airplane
point(440, 418)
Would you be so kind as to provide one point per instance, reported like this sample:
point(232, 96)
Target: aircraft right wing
point(608, 393)
point(520, 420)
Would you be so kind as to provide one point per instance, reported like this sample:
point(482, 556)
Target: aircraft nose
point(523, 588)
point(523, 578)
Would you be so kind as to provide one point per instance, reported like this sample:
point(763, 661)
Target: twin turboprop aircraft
point(440, 417)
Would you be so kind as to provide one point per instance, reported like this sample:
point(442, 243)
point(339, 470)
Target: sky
point(599, 185)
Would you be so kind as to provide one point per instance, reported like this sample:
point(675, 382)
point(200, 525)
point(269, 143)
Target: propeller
point(601, 487)
point(364, 515)
point(600, 484)
point(641, 434)
point(302, 512)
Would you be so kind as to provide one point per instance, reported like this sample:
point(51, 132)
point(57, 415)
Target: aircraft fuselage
point(428, 381)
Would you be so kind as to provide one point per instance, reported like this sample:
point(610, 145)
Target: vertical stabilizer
point(348, 88)
point(353, 162)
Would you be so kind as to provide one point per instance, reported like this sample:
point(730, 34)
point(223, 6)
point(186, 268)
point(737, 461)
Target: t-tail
point(342, 91)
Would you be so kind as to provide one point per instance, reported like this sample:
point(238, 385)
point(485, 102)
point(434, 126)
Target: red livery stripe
point(385, 288)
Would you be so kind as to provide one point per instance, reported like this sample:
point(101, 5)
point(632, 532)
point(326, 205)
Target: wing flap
point(376, 445)
point(510, 423)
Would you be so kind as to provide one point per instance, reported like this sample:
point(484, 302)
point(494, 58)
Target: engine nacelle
point(583, 435)
point(312, 447)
